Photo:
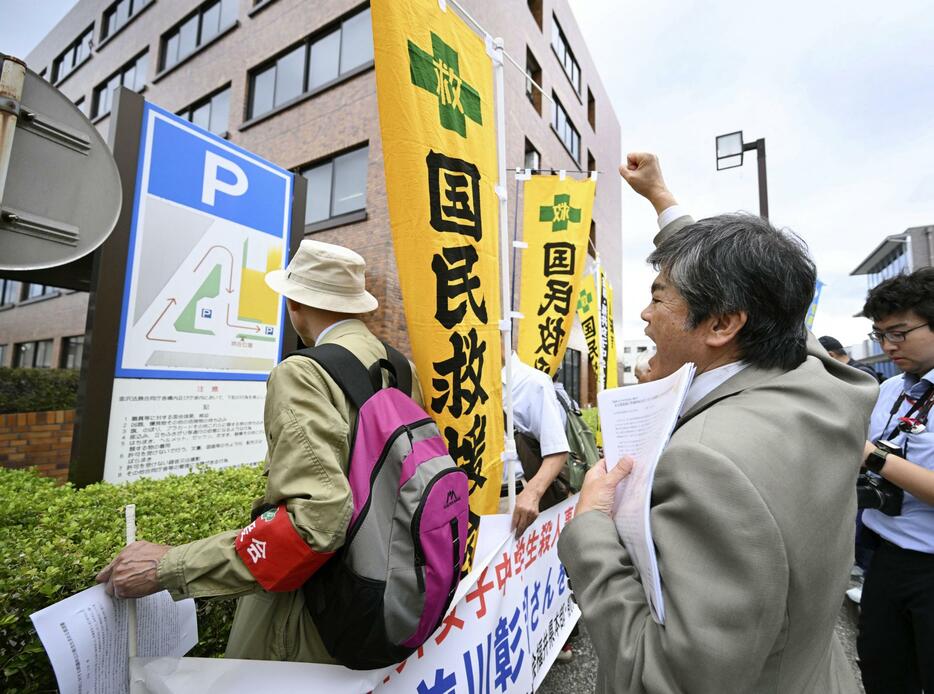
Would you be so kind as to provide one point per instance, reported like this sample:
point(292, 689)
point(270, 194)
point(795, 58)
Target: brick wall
point(37, 439)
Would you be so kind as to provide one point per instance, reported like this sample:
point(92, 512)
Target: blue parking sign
point(210, 219)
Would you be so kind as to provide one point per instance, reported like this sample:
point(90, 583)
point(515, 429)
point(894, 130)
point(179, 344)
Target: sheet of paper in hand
point(637, 421)
point(85, 637)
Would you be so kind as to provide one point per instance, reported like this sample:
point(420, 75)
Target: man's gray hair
point(740, 262)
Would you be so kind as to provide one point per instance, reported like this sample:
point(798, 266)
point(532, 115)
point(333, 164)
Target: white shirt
point(330, 328)
point(535, 407)
point(670, 214)
point(705, 383)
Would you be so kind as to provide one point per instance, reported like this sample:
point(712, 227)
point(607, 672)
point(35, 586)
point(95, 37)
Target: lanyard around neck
point(908, 423)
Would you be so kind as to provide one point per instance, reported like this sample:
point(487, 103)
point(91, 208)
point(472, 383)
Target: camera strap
point(917, 424)
point(914, 420)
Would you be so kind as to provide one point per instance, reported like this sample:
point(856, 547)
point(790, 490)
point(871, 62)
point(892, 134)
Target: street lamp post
point(730, 148)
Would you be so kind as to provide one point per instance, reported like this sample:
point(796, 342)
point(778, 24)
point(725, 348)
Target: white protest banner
point(511, 617)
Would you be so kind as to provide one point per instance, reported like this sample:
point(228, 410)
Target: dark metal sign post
point(730, 149)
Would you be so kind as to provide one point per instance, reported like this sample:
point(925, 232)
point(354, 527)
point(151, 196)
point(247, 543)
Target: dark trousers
point(866, 543)
point(896, 622)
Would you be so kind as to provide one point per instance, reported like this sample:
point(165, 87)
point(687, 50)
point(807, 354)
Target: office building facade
point(633, 350)
point(293, 81)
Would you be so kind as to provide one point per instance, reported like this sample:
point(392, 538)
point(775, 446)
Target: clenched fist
point(644, 175)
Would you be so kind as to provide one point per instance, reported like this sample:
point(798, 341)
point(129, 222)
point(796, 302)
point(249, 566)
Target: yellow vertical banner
point(608, 334)
point(434, 84)
point(556, 227)
point(595, 310)
point(588, 311)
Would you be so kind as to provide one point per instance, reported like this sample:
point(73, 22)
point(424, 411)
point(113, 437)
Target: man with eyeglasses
point(896, 626)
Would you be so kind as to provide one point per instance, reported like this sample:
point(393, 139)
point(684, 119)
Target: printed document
point(85, 637)
point(637, 421)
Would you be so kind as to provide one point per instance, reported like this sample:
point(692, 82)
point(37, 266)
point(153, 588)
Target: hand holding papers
point(91, 636)
point(637, 421)
point(86, 637)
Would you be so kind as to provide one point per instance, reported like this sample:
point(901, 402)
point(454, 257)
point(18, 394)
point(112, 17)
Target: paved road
point(580, 675)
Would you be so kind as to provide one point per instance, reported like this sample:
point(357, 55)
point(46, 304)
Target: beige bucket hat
point(326, 276)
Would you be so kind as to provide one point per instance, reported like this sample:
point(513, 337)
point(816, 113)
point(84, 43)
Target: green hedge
point(37, 390)
point(55, 539)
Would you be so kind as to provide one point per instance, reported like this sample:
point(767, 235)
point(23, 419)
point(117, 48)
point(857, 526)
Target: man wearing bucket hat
point(302, 518)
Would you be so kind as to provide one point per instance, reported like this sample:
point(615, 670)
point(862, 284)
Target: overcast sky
point(843, 94)
point(24, 24)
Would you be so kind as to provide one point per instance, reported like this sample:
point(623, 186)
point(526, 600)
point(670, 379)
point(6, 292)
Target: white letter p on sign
point(212, 185)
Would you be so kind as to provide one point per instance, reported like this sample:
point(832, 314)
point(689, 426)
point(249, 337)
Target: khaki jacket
point(753, 510)
point(308, 423)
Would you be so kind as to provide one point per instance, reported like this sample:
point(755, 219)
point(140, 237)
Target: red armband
point(276, 554)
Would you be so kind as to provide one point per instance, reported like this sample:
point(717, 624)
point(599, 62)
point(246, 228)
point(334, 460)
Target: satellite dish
point(62, 193)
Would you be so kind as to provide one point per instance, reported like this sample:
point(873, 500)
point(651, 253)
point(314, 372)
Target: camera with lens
point(875, 492)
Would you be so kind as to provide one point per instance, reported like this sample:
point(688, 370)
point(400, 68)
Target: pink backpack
point(388, 588)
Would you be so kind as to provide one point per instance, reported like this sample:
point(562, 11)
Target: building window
point(72, 350)
point(10, 292)
point(337, 186)
point(82, 105)
point(197, 29)
point(33, 355)
point(533, 73)
point(627, 350)
point(319, 61)
point(591, 162)
point(119, 14)
point(569, 373)
point(642, 349)
point(132, 76)
point(3, 351)
point(592, 250)
point(211, 113)
point(533, 160)
point(76, 53)
point(591, 110)
point(535, 7)
point(560, 45)
point(36, 290)
point(565, 129)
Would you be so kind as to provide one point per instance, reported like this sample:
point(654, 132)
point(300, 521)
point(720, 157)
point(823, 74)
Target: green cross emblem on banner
point(584, 301)
point(560, 213)
point(439, 73)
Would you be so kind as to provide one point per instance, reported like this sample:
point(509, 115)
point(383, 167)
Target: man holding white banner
point(754, 497)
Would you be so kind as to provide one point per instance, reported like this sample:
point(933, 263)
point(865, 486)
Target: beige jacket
point(308, 424)
point(753, 511)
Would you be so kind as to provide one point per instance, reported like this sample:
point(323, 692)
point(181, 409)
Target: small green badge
point(560, 213)
point(438, 72)
point(583, 303)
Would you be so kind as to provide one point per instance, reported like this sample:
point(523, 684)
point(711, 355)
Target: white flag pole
point(131, 603)
point(509, 449)
point(496, 49)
